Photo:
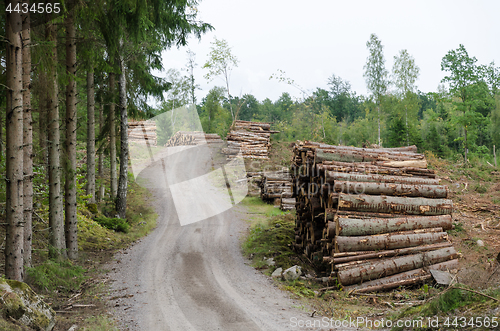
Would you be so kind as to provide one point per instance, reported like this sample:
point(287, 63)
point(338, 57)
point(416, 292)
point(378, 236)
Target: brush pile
point(142, 132)
point(377, 215)
point(183, 138)
point(251, 139)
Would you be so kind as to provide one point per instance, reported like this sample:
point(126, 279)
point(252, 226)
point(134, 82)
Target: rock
point(277, 273)
point(17, 300)
point(269, 262)
point(480, 243)
point(292, 273)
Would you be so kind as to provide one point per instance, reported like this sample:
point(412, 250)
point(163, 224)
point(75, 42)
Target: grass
point(271, 235)
point(52, 275)
point(99, 323)
point(450, 303)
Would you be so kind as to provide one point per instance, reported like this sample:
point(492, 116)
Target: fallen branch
point(484, 295)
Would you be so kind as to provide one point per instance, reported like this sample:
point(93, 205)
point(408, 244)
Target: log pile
point(377, 215)
point(142, 132)
point(183, 138)
point(252, 139)
point(277, 185)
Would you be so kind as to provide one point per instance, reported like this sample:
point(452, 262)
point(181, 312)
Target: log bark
point(331, 176)
point(408, 190)
point(372, 169)
point(388, 241)
point(394, 252)
point(388, 204)
point(364, 227)
point(370, 285)
point(391, 266)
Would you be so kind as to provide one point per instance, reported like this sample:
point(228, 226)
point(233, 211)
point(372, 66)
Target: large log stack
point(183, 138)
point(277, 186)
point(142, 132)
point(377, 215)
point(252, 139)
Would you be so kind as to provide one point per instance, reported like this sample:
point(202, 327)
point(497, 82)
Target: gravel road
point(193, 277)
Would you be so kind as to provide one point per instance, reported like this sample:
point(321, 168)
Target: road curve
point(193, 277)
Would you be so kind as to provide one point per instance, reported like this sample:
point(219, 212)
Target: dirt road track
point(193, 277)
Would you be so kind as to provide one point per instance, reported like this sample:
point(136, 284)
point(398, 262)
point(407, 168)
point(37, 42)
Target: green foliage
point(116, 224)
point(52, 275)
point(272, 238)
point(375, 72)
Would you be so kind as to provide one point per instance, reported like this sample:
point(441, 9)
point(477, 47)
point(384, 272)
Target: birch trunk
point(121, 197)
point(14, 151)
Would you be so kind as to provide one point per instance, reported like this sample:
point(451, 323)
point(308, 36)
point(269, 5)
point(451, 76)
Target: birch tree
point(375, 74)
point(405, 73)
point(220, 63)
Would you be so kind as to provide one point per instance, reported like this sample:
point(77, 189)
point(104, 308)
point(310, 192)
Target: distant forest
point(462, 116)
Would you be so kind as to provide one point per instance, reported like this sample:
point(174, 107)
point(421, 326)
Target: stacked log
point(184, 138)
point(277, 186)
point(377, 215)
point(252, 139)
point(142, 132)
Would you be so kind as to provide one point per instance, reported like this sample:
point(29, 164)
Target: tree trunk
point(407, 190)
point(90, 136)
point(394, 252)
point(14, 152)
point(332, 176)
point(389, 241)
point(388, 204)
point(42, 118)
point(71, 118)
point(56, 216)
point(379, 141)
point(404, 278)
point(100, 162)
point(391, 266)
point(112, 137)
point(27, 141)
point(121, 197)
point(360, 227)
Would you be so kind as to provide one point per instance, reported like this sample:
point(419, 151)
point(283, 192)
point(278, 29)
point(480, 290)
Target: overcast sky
point(311, 40)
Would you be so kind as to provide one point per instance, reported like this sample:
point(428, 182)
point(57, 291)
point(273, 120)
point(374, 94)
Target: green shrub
point(116, 224)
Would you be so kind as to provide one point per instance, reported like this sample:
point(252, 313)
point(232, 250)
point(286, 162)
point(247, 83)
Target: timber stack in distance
point(142, 132)
point(186, 138)
point(251, 139)
point(277, 186)
point(377, 215)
